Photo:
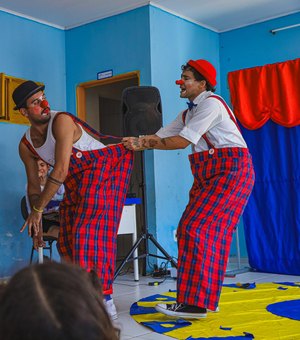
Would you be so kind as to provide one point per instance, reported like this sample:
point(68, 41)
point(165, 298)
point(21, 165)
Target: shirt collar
point(203, 95)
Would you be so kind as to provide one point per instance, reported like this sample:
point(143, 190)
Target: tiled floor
point(126, 292)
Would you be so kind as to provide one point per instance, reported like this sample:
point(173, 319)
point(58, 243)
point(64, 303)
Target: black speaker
point(141, 107)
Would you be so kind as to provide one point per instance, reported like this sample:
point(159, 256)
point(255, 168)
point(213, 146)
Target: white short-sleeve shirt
point(209, 116)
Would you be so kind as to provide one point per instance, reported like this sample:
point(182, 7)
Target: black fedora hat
point(24, 91)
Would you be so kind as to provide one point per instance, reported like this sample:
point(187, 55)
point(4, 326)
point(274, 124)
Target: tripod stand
point(145, 236)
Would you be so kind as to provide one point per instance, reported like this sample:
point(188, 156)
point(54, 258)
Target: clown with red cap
point(223, 180)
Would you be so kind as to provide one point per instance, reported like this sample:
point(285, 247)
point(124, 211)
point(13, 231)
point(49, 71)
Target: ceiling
point(218, 15)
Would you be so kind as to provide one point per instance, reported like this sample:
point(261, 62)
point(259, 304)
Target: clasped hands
point(135, 143)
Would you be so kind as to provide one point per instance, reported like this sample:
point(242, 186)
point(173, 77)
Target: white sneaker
point(214, 311)
point(111, 309)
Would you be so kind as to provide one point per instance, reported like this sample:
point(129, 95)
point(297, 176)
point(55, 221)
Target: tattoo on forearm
point(136, 142)
point(53, 180)
point(152, 143)
point(144, 143)
point(163, 140)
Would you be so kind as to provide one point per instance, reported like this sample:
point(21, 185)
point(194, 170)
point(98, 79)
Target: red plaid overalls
point(223, 181)
point(95, 193)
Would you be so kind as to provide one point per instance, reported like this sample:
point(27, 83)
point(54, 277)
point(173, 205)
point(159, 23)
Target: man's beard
point(38, 121)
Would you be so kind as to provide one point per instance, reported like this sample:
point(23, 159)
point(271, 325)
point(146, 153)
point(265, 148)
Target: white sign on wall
point(104, 74)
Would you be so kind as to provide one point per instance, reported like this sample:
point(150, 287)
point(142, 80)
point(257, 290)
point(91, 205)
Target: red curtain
point(266, 92)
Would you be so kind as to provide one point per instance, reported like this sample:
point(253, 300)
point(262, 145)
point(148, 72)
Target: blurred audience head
point(54, 301)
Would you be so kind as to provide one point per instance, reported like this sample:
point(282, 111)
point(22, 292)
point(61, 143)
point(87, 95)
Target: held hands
point(135, 143)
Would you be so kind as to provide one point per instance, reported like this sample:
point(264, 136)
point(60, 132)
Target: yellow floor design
point(242, 313)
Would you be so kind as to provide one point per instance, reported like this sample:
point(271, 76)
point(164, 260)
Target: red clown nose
point(44, 104)
point(179, 82)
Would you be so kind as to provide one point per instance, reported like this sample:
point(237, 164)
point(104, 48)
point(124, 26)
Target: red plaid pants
point(95, 193)
point(223, 182)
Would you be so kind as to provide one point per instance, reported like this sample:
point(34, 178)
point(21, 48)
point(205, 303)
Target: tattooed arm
point(155, 142)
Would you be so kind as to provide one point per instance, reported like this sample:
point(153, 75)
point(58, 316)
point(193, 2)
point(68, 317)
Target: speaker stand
point(145, 236)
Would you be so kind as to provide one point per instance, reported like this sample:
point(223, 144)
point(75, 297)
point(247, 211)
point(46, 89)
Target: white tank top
point(47, 151)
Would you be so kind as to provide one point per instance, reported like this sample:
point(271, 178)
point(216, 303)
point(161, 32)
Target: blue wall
point(120, 43)
point(29, 50)
point(35, 51)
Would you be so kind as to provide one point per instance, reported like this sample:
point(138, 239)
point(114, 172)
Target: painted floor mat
point(247, 311)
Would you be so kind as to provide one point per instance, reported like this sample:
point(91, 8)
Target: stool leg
point(50, 249)
point(31, 256)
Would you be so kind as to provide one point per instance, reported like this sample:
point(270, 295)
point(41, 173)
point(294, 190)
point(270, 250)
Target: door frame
point(80, 90)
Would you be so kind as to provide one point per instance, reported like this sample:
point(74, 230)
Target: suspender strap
point(94, 132)
point(210, 145)
point(227, 109)
point(184, 115)
point(31, 148)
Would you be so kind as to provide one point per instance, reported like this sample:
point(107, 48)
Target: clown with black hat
point(30, 100)
point(24, 91)
point(88, 227)
point(223, 179)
